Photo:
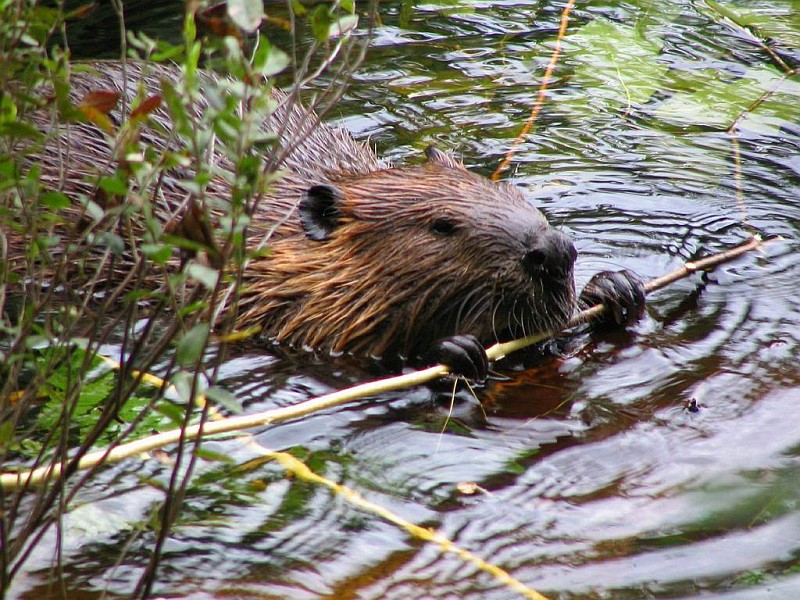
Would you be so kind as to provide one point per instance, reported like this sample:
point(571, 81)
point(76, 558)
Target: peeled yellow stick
point(10, 481)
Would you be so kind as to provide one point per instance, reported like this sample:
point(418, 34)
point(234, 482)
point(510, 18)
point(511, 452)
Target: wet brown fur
point(385, 281)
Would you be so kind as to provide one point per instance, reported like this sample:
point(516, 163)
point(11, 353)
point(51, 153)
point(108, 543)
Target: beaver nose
point(551, 253)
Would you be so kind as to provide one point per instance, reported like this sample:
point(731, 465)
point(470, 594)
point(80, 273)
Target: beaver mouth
point(548, 305)
point(502, 312)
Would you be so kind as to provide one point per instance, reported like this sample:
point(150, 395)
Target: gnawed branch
point(10, 481)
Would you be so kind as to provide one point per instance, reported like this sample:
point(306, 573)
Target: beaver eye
point(443, 227)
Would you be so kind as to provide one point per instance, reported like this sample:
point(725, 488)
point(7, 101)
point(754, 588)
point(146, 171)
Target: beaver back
point(362, 257)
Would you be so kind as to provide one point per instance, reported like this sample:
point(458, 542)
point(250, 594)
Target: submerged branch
point(300, 470)
point(541, 96)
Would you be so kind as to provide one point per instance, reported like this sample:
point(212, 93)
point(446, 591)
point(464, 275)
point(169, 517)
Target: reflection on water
point(597, 481)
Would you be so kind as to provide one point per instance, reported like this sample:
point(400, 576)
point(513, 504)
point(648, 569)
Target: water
point(594, 479)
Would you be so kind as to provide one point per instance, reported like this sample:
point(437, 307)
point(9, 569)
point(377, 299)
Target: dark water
point(596, 481)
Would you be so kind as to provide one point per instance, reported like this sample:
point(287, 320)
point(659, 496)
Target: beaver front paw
point(463, 354)
point(621, 291)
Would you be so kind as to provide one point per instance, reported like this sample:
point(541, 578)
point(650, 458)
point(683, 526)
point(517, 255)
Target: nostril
point(552, 252)
point(534, 261)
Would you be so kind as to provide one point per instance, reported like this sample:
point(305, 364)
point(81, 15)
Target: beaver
point(426, 263)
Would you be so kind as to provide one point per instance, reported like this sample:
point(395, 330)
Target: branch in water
point(9, 481)
point(708, 263)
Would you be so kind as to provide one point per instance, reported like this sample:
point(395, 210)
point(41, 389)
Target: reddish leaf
point(81, 12)
point(98, 118)
point(147, 106)
point(96, 105)
point(279, 22)
point(102, 101)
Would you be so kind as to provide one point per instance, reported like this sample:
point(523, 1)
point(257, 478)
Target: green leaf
point(320, 21)
point(94, 210)
point(36, 342)
point(80, 342)
point(177, 112)
point(183, 385)
point(137, 295)
point(18, 129)
point(190, 308)
point(616, 62)
point(778, 22)
point(176, 241)
point(48, 241)
point(8, 109)
point(342, 26)
point(298, 8)
point(85, 407)
point(172, 412)
point(262, 141)
point(246, 14)
point(212, 456)
point(6, 434)
point(269, 60)
point(54, 200)
point(114, 185)
point(716, 102)
point(225, 398)
point(158, 253)
point(8, 170)
point(777, 109)
point(167, 52)
point(205, 275)
point(112, 241)
point(192, 345)
point(189, 31)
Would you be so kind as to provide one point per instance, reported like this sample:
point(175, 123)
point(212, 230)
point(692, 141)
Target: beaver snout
point(550, 253)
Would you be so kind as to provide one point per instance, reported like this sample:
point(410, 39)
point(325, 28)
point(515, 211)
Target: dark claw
point(463, 354)
point(621, 291)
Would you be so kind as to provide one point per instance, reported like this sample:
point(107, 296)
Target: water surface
point(595, 480)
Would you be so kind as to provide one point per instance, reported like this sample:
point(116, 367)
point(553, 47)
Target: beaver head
point(387, 262)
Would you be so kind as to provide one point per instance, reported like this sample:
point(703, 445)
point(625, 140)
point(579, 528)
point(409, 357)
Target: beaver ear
point(436, 156)
point(319, 211)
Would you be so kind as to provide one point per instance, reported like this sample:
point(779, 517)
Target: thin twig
point(759, 38)
point(708, 263)
point(301, 471)
point(541, 96)
point(750, 30)
point(297, 469)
